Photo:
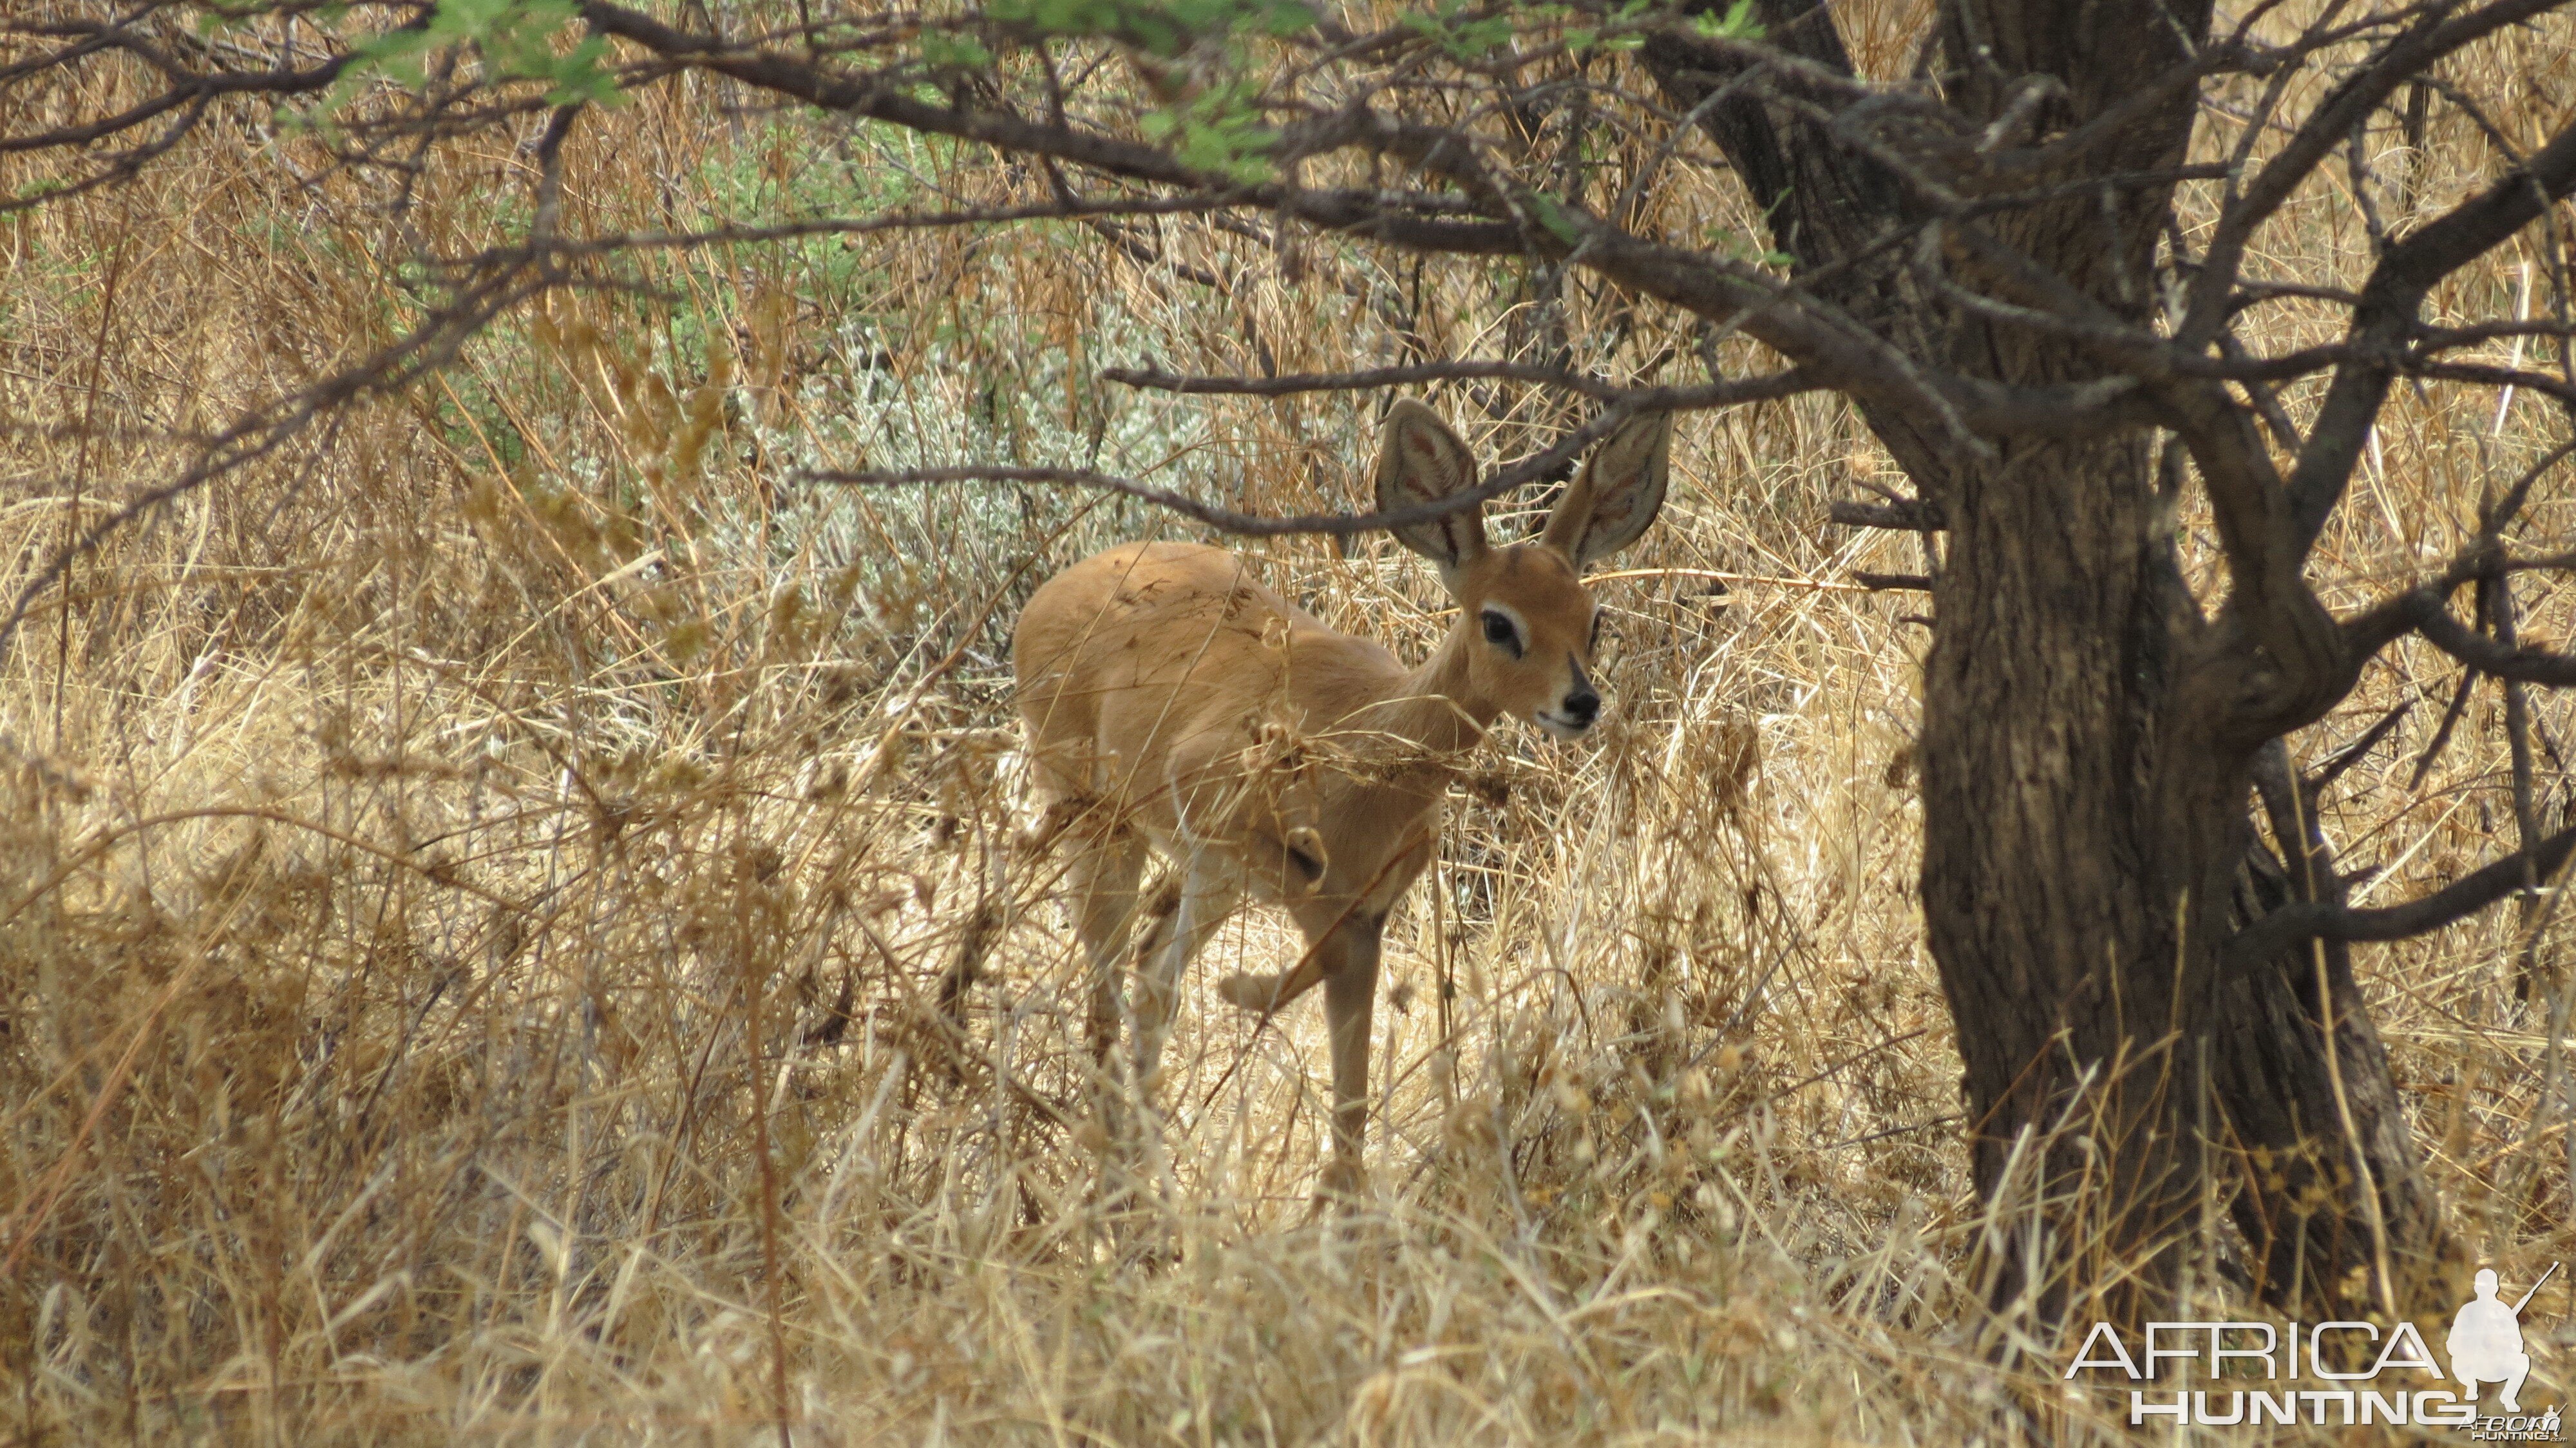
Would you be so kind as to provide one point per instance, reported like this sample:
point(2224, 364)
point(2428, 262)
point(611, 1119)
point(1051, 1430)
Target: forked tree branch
point(2374, 628)
point(2388, 311)
point(2440, 32)
point(184, 89)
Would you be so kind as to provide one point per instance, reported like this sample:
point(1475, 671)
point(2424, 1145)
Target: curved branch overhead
point(1847, 175)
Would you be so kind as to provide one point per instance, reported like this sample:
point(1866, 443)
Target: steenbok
point(1172, 701)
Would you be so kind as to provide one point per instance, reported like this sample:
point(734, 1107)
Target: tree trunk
point(2085, 813)
point(2331, 1198)
point(2337, 1217)
point(2086, 836)
point(2081, 832)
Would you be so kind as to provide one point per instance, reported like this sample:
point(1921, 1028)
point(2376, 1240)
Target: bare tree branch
point(1254, 525)
point(388, 370)
point(2439, 32)
point(2490, 655)
point(1682, 399)
point(2284, 929)
point(1919, 516)
point(2374, 628)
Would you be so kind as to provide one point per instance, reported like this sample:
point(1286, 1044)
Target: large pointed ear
point(1618, 493)
point(1419, 460)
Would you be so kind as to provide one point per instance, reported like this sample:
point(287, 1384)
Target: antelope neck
point(1436, 708)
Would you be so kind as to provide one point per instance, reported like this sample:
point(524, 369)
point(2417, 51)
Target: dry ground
point(473, 879)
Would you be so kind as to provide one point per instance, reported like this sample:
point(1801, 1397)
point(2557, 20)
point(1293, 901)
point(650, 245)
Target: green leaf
point(517, 40)
point(1736, 24)
point(958, 52)
point(1552, 215)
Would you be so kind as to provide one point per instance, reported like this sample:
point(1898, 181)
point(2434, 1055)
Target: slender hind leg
point(1185, 910)
point(1105, 873)
point(1104, 884)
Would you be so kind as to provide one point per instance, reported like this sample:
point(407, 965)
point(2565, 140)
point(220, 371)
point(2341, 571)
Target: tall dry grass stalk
point(475, 880)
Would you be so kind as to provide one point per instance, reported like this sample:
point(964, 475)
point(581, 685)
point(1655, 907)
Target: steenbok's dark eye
point(1593, 645)
point(1501, 634)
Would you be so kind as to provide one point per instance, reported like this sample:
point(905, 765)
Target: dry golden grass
point(474, 880)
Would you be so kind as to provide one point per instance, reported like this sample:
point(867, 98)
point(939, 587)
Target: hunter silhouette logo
point(2252, 1372)
point(2486, 1340)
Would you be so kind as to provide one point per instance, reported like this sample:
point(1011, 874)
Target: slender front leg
point(1350, 1000)
point(1325, 916)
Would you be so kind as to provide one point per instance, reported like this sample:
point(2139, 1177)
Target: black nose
point(1582, 707)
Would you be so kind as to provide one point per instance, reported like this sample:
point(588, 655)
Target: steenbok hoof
point(1248, 992)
